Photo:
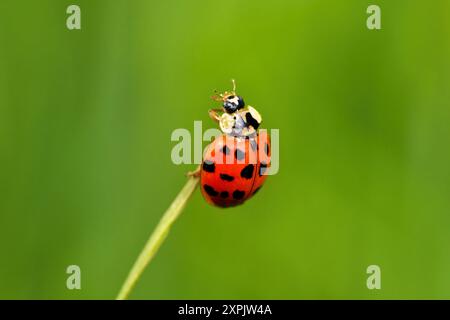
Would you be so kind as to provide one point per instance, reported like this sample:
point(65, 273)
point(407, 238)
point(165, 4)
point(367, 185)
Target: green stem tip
point(158, 236)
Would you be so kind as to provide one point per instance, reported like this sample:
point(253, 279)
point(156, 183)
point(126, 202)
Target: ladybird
point(234, 165)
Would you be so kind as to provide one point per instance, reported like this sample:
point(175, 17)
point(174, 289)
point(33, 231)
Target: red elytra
point(233, 168)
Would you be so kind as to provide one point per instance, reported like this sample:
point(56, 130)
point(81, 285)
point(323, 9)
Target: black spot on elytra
point(209, 166)
point(253, 145)
point(251, 121)
point(224, 194)
point(239, 154)
point(267, 149)
point(226, 177)
point(225, 150)
point(238, 195)
point(256, 190)
point(262, 168)
point(210, 190)
point(247, 172)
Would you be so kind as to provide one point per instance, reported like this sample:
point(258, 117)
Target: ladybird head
point(231, 102)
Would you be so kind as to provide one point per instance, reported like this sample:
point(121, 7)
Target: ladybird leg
point(214, 114)
point(195, 173)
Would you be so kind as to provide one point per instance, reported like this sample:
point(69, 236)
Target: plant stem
point(157, 238)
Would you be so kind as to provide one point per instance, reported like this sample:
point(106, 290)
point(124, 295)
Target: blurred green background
point(364, 118)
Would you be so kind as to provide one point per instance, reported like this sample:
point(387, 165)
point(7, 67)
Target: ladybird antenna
point(217, 96)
